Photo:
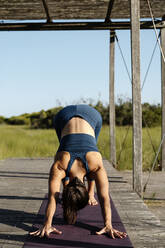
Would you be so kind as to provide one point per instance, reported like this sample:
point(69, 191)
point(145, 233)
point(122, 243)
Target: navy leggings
point(91, 115)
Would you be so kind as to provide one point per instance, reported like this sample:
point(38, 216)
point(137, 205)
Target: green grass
point(124, 146)
point(20, 141)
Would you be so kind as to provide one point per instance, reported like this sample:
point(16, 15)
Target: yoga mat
point(80, 235)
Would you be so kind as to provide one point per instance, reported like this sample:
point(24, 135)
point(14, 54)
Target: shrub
point(2, 119)
point(18, 120)
point(43, 119)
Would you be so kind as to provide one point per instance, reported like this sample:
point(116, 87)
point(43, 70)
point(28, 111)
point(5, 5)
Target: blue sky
point(40, 70)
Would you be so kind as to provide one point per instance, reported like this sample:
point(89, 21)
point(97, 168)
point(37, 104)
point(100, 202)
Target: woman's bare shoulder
point(94, 160)
point(61, 160)
point(61, 155)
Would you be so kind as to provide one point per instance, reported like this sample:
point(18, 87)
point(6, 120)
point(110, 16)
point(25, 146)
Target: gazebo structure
point(38, 15)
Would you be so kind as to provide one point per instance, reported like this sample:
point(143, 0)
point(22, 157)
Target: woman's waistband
point(78, 142)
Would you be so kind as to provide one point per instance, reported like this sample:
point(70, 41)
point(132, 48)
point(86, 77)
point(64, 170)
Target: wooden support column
point(112, 100)
point(136, 95)
point(163, 94)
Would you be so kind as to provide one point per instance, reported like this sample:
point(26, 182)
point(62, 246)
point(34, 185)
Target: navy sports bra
point(73, 156)
point(77, 145)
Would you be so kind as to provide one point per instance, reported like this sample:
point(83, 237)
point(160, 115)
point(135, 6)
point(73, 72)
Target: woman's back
point(77, 125)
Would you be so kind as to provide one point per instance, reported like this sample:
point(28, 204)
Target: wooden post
point(112, 100)
point(163, 94)
point(136, 94)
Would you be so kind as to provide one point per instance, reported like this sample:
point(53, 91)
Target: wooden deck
point(23, 184)
point(143, 227)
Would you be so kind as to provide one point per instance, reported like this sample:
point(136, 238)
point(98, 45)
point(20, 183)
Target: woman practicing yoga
point(77, 128)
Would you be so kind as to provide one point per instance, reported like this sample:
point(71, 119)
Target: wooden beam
point(136, 94)
point(110, 6)
point(46, 10)
point(112, 100)
point(162, 37)
point(62, 26)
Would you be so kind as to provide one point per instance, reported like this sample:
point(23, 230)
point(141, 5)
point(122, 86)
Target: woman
point(77, 128)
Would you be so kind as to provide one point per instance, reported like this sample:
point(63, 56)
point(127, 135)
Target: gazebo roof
point(75, 9)
point(75, 14)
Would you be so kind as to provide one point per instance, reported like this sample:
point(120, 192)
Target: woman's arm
point(54, 189)
point(55, 178)
point(91, 192)
point(102, 186)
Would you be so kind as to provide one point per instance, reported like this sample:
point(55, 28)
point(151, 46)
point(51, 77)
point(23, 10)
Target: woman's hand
point(45, 231)
point(112, 232)
point(92, 201)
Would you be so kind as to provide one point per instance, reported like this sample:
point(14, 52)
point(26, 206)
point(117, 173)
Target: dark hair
point(74, 198)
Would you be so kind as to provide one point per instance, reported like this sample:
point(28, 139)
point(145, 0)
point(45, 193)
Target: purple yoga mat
point(80, 235)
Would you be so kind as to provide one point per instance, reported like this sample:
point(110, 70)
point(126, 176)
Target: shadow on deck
point(23, 185)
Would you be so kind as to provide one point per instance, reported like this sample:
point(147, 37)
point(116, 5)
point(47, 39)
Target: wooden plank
point(75, 9)
point(21, 10)
point(112, 100)
point(163, 95)
point(136, 94)
point(42, 26)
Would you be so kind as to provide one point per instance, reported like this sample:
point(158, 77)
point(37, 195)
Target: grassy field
point(20, 141)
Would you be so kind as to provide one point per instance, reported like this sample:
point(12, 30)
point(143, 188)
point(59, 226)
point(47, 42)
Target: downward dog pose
point(77, 128)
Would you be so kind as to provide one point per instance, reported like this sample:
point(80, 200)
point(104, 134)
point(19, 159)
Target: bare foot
point(92, 201)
